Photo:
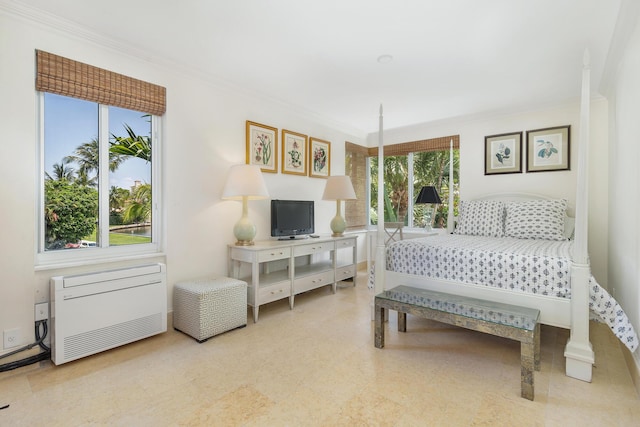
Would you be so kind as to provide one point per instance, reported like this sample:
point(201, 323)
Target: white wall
point(561, 184)
point(624, 193)
point(204, 134)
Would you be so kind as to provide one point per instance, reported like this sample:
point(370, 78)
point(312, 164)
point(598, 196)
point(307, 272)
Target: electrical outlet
point(11, 338)
point(42, 311)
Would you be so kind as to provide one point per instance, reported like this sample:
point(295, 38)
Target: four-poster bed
point(551, 274)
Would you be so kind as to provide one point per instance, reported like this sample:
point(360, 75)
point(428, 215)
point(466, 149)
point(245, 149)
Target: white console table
point(279, 269)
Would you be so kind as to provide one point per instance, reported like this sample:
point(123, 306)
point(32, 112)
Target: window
point(422, 163)
point(99, 169)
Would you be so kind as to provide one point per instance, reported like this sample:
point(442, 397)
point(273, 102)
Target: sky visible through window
point(71, 122)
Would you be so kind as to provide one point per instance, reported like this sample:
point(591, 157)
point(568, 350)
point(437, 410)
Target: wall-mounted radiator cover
point(98, 311)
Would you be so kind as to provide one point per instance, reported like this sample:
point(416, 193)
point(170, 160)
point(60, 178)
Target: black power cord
point(39, 340)
point(44, 355)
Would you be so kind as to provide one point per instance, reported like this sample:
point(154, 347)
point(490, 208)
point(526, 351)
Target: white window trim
point(88, 256)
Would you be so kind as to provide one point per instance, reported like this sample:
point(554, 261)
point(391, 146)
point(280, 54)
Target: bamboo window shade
point(63, 76)
point(434, 144)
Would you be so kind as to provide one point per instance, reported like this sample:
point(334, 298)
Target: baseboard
point(633, 364)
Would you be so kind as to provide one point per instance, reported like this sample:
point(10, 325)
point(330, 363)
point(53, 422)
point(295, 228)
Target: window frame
point(103, 253)
point(408, 149)
point(355, 214)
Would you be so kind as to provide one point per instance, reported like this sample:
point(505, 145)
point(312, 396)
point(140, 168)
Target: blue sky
point(71, 122)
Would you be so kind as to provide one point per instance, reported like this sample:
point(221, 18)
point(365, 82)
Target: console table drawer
point(313, 281)
point(274, 254)
point(347, 243)
point(312, 248)
point(275, 292)
point(345, 272)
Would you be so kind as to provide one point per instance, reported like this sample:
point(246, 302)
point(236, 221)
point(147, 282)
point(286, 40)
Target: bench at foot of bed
point(503, 320)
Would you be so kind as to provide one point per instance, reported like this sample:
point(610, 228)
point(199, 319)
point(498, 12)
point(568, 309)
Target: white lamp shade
point(339, 187)
point(245, 180)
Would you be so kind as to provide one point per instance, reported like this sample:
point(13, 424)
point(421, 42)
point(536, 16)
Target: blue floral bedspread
point(535, 266)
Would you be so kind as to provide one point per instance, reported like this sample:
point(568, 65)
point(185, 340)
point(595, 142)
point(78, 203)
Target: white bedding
point(525, 265)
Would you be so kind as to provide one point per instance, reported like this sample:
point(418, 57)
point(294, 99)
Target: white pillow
point(481, 218)
point(536, 219)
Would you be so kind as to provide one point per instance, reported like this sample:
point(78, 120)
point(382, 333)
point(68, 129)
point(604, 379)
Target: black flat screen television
point(292, 218)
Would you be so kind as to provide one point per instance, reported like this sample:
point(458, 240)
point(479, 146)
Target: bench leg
point(527, 356)
point(379, 326)
point(402, 322)
point(536, 349)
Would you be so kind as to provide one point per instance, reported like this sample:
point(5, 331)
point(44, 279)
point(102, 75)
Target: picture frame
point(319, 158)
point(549, 149)
point(262, 146)
point(503, 153)
point(294, 152)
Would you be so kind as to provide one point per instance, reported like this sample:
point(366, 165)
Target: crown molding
point(69, 28)
point(78, 31)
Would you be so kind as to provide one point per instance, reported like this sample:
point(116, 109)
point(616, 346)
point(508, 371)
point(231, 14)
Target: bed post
point(450, 214)
point(578, 351)
point(379, 285)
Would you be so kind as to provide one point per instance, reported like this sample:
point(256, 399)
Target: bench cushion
point(490, 311)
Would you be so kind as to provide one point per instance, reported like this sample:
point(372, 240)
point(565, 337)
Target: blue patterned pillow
point(536, 219)
point(481, 218)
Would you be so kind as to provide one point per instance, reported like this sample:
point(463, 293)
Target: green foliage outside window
point(429, 168)
point(71, 210)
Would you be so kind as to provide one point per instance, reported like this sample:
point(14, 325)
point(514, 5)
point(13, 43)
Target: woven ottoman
point(206, 307)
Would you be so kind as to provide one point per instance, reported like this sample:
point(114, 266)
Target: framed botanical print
point(262, 146)
point(294, 153)
point(549, 149)
point(503, 153)
point(319, 158)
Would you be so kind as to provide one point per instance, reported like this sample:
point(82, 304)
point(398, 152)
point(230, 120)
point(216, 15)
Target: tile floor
point(316, 365)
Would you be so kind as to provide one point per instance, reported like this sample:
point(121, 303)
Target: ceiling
point(450, 58)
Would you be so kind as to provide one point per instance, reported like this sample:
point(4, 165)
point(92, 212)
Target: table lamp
point(244, 182)
point(338, 188)
point(428, 195)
